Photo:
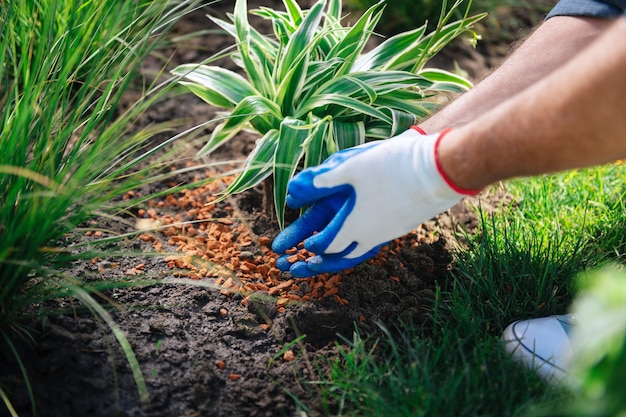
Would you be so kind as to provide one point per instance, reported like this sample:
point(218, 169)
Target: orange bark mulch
point(223, 248)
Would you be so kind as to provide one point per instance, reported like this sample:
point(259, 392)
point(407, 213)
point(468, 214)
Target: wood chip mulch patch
point(213, 241)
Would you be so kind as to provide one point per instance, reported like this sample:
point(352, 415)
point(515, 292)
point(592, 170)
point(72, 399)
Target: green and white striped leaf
point(255, 68)
point(275, 15)
point(351, 46)
point(402, 120)
point(215, 85)
point(252, 107)
point(355, 84)
point(407, 101)
point(291, 88)
point(386, 52)
point(334, 9)
point(291, 136)
point(348, 105)
point(432, 43)
point(318, 73)
point(346, 135)
point(295, 12)
point(299, 44)
point(446, 81)
point(257, 166)
point(315, 145)
point(263, 46)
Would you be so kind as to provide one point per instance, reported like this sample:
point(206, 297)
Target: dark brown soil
point(209, 351)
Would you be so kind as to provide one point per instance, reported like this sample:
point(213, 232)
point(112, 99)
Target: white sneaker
point(542, 344)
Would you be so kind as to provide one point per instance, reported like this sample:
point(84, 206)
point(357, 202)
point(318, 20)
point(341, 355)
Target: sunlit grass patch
point(522, 263)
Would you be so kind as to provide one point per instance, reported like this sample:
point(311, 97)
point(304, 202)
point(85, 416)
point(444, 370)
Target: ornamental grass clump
point(311, 88)
point(68, 151)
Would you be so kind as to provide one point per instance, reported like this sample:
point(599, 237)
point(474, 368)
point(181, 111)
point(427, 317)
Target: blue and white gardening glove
point(362, 198)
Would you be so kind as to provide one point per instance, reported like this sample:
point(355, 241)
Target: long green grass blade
point(65, 67)
point(127, 349)
point(29, 175)
point(7, 403)
point(7, 340)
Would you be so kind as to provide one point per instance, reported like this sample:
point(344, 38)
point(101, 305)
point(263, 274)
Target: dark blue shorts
point(593, 8)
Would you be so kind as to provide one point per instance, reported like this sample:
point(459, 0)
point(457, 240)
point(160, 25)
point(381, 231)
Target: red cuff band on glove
point(442, 172)
point(419, 130)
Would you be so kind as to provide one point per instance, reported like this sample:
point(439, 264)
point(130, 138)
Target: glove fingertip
point(279, 245)
point(294, 202)
point(335, 263)
point(301, 270)
point(287, 239)
point(321, 265)
point(283, 264)
point(317, 243)
point(300, 189)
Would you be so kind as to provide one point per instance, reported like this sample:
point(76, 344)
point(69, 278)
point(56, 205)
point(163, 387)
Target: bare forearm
point(575, 117)
point(551, 44)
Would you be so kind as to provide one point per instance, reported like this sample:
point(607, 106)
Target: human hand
point(363, 197)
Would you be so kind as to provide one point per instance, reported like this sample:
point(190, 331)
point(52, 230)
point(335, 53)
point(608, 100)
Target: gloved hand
point(363, 197)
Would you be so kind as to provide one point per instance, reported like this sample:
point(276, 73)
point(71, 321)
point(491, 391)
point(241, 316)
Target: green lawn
point(522, 264)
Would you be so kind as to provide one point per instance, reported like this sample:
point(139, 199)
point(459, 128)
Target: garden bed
point(227, 334)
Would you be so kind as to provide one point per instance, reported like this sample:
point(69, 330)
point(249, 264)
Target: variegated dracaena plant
point(311, 87)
